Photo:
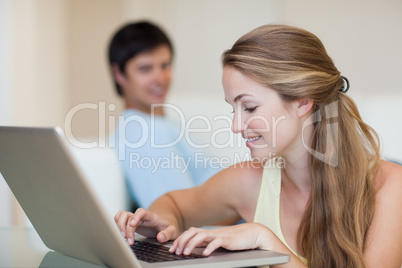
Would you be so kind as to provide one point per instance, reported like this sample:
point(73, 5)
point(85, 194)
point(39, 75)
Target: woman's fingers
point(201, 237)
point(211, 247)
point(191, 239)
point(145, 223)
point(178, 243)
point(130, 229)
point(121, 221)
point(187, 240)
point(167, 234)
point(128, 222)
point(237, 237)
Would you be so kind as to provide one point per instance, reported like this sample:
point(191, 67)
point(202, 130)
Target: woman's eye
point(250, 110)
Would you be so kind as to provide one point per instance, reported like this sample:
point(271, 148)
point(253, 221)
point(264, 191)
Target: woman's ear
point(118, 76)
point(303, 107)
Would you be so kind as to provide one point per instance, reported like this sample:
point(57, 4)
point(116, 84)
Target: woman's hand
point(147, 224)
point(237, 237)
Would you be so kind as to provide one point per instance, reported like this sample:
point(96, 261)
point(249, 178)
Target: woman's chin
point(261, 157)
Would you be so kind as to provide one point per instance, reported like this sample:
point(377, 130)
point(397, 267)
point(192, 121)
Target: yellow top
point(267, 210)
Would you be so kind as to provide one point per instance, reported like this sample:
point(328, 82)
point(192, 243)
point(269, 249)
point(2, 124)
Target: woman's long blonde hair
point(295, 63)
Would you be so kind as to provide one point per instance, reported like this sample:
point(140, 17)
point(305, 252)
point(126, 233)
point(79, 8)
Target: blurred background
point(53, 58)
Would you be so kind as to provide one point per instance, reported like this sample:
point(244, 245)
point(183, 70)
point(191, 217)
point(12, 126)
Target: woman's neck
point(296, 166)
point(297, 171)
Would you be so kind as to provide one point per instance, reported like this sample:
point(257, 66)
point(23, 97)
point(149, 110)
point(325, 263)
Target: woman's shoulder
point(389, 173)
point(387, 220)
point(246, 187)
point(247, 170)
point(389, 179)
point(240, 174)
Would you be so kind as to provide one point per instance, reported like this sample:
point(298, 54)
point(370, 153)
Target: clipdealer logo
point(227, 137)
point(330, 112)
point(148, 129)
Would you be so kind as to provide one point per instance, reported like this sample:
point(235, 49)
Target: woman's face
point(269, 125)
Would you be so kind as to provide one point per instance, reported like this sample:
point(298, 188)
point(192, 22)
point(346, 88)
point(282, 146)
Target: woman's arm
point(383, 246)
point(237, 237)
point(231, 193)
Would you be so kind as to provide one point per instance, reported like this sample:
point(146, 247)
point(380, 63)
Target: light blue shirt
point(156, 157)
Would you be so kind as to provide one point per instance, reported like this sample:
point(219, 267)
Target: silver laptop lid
point(53, 193)
point(56, 197)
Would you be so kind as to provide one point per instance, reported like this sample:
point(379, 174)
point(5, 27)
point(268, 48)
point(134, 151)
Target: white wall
point(5, 195)
point(4, 61)
point(91, 24)
point(39, 68)
point(33, 75)
point(364, 39)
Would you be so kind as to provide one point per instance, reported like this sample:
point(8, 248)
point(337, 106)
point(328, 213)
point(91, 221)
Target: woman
point(320, 192)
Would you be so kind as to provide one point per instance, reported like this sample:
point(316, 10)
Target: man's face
point(147, 79)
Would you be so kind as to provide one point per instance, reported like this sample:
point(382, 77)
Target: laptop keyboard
point(151, 252)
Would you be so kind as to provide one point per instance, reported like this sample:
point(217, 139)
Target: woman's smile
point(252, 140)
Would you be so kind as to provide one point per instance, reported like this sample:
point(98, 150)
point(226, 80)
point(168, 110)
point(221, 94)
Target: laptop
point(58, 200)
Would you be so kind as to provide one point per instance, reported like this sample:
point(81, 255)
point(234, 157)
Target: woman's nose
point(237, 124)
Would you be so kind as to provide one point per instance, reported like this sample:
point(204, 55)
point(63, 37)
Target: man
point(154, 158)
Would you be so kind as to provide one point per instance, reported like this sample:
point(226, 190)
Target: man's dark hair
point(132, 39)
